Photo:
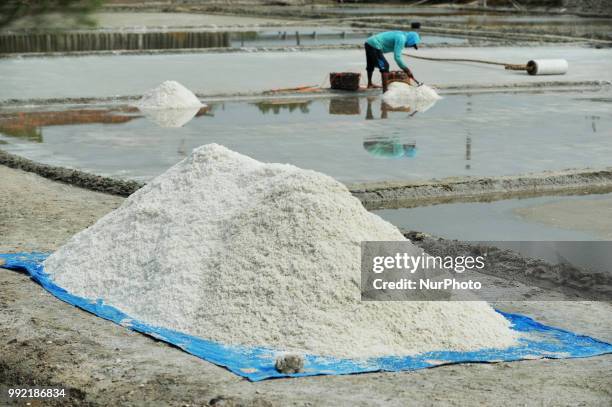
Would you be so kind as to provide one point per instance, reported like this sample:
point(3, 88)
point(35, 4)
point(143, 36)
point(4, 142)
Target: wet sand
point(38, 215)
point(593, 216)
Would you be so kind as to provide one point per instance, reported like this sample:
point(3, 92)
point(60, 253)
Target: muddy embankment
point(319, 11)
point(387, 195)
point(573, 282)
point(379, 195)
point(69, 176)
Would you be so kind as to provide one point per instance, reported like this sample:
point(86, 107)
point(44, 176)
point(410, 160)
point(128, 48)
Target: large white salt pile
point(237, 251)
point(169, 95)
point(419, 98)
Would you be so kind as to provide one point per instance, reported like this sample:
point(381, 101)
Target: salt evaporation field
point(352, 139)
point(113, 75)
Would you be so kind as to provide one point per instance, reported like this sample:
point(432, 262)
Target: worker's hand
point(410, 75)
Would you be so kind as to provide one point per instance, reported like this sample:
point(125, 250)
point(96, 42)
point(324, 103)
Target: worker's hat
point(412, 39)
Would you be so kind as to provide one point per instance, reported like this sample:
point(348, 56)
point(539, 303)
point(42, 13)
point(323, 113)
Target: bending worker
point(390, 41)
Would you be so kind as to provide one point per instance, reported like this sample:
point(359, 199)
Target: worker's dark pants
point(375, 59)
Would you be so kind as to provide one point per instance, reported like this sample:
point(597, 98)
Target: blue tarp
point(538, 341)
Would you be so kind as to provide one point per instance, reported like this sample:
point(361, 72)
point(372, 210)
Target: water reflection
point(172, 118)
point(593, 120)
point(29, 125)
point(468, 138)
point(23, 132)
point(411, 107)
point(390, 148)
point(410, 104)
point(277, 105)
point(344, 106)
point(462, 135)
point(468, 151)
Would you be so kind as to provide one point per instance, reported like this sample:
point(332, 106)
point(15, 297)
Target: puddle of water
point(494, 221)
point(352, 139)
point(502, 224)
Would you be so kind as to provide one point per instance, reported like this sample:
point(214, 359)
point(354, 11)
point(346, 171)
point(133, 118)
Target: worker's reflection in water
point(385, 109)
point(380, 147)
point(390, 148)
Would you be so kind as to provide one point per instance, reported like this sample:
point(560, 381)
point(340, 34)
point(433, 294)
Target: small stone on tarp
point(289, 363)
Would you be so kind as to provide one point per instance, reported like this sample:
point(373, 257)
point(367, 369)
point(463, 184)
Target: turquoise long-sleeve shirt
point(394, 41)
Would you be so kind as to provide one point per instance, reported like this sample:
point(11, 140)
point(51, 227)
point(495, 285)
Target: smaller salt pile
point(169, 95)
point(241, 252)
point(418, 98)
point(170, 104)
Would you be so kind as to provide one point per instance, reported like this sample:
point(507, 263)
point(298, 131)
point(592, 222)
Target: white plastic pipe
point(547, 67)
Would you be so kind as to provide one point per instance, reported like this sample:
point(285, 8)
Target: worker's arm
point(397, 54)
point(398, 48)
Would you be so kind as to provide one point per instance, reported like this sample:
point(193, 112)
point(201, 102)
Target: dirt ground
point(38, 215)
point(49, 343)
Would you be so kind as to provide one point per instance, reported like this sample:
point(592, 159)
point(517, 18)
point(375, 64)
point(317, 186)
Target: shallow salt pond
point(352, 139)
point(558, 229)
point(506, 219)
point(231, 73)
